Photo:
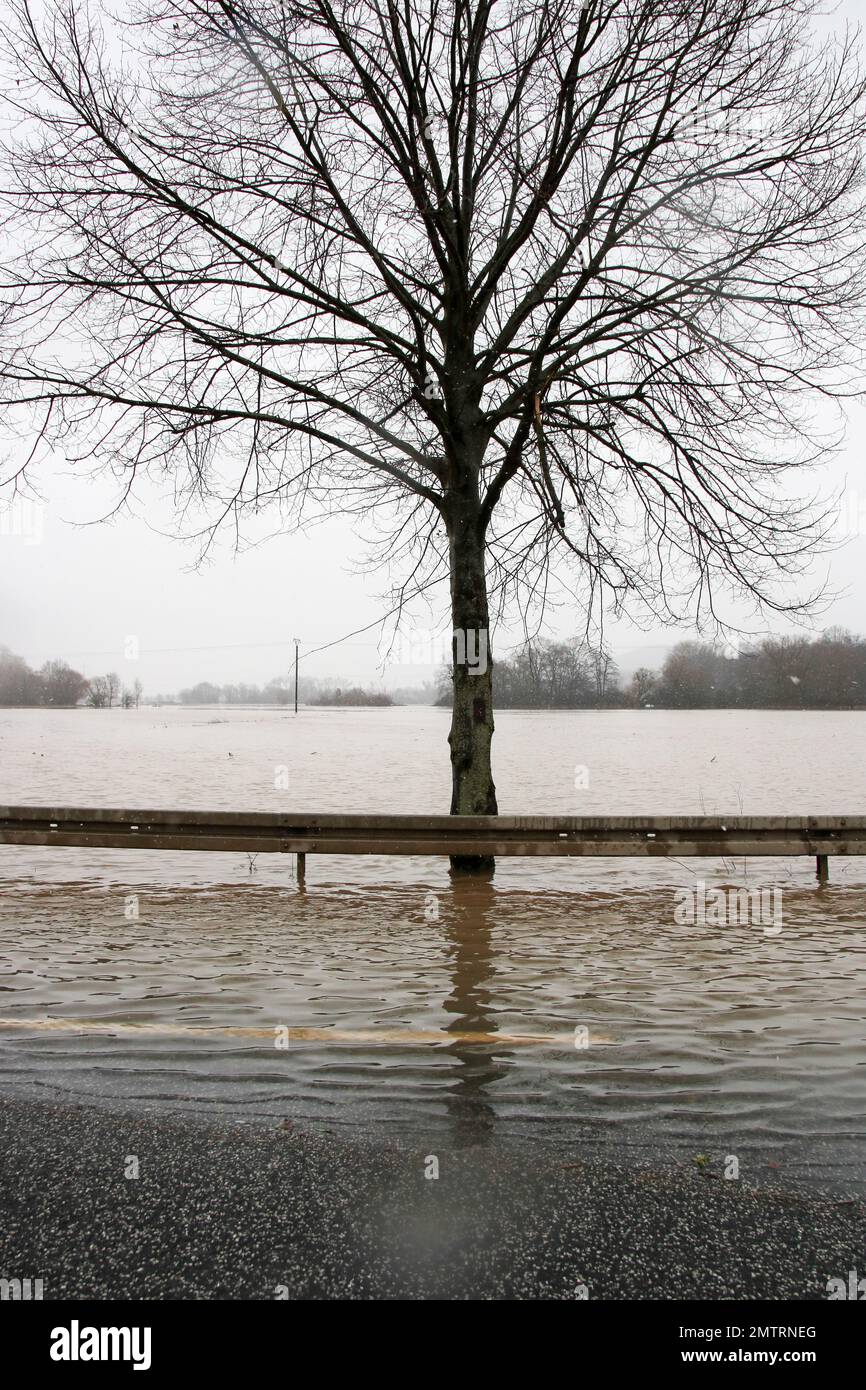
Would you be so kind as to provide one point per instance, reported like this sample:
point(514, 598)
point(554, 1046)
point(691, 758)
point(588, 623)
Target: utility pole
point(297, 642)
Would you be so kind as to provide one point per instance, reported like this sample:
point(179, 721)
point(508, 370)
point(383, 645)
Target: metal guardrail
point(301, 833)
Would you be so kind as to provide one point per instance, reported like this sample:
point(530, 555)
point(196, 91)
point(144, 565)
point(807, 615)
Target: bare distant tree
point(18, 684)
point(604, 670)
point(61, 685)
point(131, 696)
point(205, 693)
point(510, 276)
point(112, 682)
point(643, 684)
point(550, 675)
point(98, 693)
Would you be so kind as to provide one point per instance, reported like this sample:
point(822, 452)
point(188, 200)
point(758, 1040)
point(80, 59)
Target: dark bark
point(472, 789)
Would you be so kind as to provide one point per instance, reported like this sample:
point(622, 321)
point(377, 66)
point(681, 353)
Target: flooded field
point(568, 1001)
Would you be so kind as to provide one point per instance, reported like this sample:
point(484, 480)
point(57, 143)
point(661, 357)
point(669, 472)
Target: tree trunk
point(472, 789)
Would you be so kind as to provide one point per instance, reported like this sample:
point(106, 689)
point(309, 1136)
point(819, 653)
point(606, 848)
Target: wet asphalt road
point(221, 1211)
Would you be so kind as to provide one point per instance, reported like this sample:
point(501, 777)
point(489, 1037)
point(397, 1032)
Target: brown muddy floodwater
point(565, 1002)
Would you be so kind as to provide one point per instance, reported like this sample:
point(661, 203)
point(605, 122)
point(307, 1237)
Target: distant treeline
point(550, 675)
point(827, 672)
point(276, 692)
point(57, 684)
point(280, 691)
point(355, 696)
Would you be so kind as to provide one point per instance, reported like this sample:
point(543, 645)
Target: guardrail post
point(302, 870)
point(823, 872)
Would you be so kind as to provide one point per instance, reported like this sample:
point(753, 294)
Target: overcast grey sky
point(80, 591)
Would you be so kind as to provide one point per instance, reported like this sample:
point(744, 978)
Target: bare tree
point(61, 685)
point(604, 670)
point(643, 684)
point(511, 277)
point(98, 693)
point(19, 685)
point(550, 675)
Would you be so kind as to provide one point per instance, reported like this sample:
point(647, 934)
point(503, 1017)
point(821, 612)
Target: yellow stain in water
point(404, 1036)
